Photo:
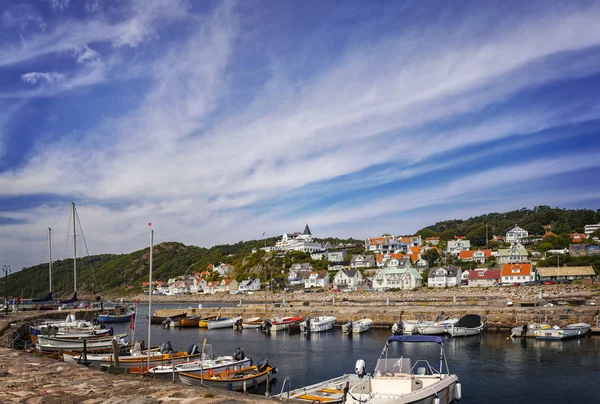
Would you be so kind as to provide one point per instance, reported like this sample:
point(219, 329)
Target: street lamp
point(6, 270)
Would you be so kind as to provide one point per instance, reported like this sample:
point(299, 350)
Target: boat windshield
point(394, 365)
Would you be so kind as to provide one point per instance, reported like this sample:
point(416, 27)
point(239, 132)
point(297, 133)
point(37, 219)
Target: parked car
point(550, 282)
point(335, 290)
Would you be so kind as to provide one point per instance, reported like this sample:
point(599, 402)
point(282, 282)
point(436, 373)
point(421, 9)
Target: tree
point(477, 236)
point(596, 234)
point(432, 256)
point(534, 228)
point(425, 233)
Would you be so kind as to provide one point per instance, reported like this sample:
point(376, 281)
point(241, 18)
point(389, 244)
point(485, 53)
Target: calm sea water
point(491, 368)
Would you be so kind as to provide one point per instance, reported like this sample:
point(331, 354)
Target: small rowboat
point(97, 344)
point(241, 380)
point(159, 319)
point(223, 323)
point(115, 318)
point(193, 321)
point(204, 321)
point(318, 324)
point(357, 326)
point(254, 322)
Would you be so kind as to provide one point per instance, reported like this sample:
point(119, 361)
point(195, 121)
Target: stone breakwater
point(31, 379)
point(464, 295)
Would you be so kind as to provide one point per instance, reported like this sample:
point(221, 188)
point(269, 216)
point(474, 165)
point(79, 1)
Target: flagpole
point(150, 294)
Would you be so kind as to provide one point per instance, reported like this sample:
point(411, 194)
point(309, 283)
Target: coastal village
point(391, 262)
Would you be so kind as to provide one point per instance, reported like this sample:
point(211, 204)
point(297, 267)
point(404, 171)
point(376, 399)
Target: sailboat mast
point(150, 296)
point(74, 252)
point(50, 250)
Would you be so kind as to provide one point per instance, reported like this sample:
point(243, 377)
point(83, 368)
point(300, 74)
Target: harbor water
point(490, 367)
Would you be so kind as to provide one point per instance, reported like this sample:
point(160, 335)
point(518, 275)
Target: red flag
point(131, 324)
point(150, 224)
point(137, 301)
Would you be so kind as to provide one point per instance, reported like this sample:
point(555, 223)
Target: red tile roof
point(516, 269)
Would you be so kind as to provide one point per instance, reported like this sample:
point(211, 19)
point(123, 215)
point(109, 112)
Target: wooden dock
point(595, 330)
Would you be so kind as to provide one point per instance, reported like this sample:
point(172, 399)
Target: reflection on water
point(491, 368)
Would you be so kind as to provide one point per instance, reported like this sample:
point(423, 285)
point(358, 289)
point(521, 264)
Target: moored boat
point(115, 318)
point(253, 322)
point(241, 380)
point(317, 324)
point(223, 322)
point(529, 330)
point(203, 323)
point(330, 391)
point(357, 326)
point(192, 321)
point(91, 344)
point(436, 328)
point(395, 380)
point(561, 333)
point(284, 323)
point(160, 320)
point(405, 327)
point(466, 326)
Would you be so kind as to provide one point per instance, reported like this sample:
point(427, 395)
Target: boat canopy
point(469, 321)
point(415, 338)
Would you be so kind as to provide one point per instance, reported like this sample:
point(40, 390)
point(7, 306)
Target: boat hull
point(465, 331)
point(114, 318)
point(217, 365)
point(318, 324)
point(358, 326)
point(58, 344)
point(445, 390)
point(160, 320)
point(284, 323)
point(245, 383)
point(224, 323)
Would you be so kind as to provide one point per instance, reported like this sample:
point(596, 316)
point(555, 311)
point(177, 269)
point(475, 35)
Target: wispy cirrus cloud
point(218, 134)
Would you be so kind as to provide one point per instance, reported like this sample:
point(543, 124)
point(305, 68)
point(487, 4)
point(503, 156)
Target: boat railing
point(432, 370)
point(287, 380)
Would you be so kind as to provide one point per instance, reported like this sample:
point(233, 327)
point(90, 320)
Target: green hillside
point(123, 274)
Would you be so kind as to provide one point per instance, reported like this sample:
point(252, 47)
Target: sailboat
point(74, 298)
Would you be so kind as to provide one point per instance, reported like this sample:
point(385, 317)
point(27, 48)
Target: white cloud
point(38, 77)
point(59, 5)
point(198, 164)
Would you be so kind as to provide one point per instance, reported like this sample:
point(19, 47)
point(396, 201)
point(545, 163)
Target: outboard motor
point(238, 324)
point(166, 323)
point(307, 329)
point(398, 328)
point(262, 365)
point(239, 354)
point(166, 347)
point(267, 325)
point(360, 368)
point(193, 349)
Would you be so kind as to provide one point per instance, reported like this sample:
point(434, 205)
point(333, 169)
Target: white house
point(517, 273)
point(398, 278)
point(197, 285)
point(385, 244)
point(179, 287)
point(444, 277)
point(590, 228)
point(298, 273)
point(348, 279)
point(249, 285)
point(362, 261)
point(515, 254)
point(222, 269)
point(383, 259)
point(337, 256)
point(516, 235)
point(485, 277)
point(317, 280)
point(298, 242)
point(456, 246)
point(319, 255)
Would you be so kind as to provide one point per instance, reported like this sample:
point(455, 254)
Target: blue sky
point(221, 120)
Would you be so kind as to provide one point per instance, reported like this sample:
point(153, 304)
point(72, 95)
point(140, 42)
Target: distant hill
point(123, 274)
point(562, 222)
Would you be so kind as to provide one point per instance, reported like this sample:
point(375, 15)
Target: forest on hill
point(124, 273)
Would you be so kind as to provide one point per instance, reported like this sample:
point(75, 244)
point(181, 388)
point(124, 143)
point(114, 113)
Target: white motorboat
point(223, 323)
point(358, 326)
point(317, 324)
point(561, 333)
point(436, 328)
point(529, 330)
point(406, 327)
point(400, 381)
point(468, 325)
